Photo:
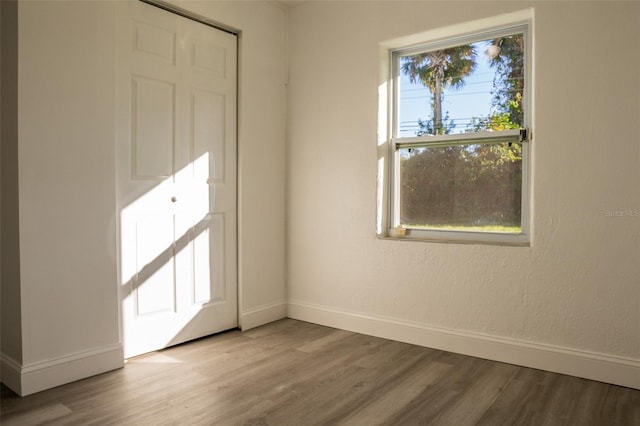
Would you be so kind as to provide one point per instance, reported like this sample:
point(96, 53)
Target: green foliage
point(508, 82)
point(449, 66)
point(470, 185)
point(426, 127)
point(494, 122)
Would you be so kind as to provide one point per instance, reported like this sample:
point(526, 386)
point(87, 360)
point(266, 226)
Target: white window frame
point(388, 219)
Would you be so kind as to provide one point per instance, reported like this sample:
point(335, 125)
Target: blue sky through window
point(472, 100)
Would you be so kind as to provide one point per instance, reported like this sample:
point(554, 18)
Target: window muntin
point(460, 165)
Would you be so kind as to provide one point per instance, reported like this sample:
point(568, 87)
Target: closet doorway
point(177, 184)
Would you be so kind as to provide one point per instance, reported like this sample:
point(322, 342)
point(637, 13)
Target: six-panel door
point(177, 178)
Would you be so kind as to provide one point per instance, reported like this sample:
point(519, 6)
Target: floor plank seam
point(497, 396)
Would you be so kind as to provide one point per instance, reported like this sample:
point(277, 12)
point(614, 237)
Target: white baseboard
point(262, 315)
point(588, 365)
point(10, 373)
point(27, 379)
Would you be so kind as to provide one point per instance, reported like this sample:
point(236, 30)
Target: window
point(457, 139)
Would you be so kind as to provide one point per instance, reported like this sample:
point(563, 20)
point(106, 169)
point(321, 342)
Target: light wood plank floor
point(296, 373)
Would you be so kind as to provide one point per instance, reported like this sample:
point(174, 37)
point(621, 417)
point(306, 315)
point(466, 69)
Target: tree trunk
point(437, 106)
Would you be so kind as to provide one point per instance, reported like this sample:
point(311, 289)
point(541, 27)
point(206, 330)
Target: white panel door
point(177, 178)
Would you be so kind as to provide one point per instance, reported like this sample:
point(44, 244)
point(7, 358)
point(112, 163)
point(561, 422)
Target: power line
point(447, 95)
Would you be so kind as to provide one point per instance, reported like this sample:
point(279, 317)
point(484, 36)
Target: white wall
point(66, 191)
point(66, 163)
point(571, 301)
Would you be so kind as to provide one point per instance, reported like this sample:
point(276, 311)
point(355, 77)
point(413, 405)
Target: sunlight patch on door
point(166, 236)
point(156, 290)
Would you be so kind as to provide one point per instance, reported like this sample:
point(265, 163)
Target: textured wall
point(578, 285)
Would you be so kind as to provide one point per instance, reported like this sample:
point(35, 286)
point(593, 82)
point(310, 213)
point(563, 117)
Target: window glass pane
point(462, 89)
point(475, 187)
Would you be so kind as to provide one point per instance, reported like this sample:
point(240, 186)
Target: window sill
point(449, 237)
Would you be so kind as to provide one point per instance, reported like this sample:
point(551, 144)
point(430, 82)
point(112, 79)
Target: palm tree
point(439, 69)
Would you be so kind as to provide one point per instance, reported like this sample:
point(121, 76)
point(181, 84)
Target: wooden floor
point(296, 373)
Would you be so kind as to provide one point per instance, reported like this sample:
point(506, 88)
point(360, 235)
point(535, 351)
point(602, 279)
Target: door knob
point(174, 199)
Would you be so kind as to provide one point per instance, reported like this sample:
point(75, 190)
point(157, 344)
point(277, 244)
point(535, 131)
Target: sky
point(472, 100)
